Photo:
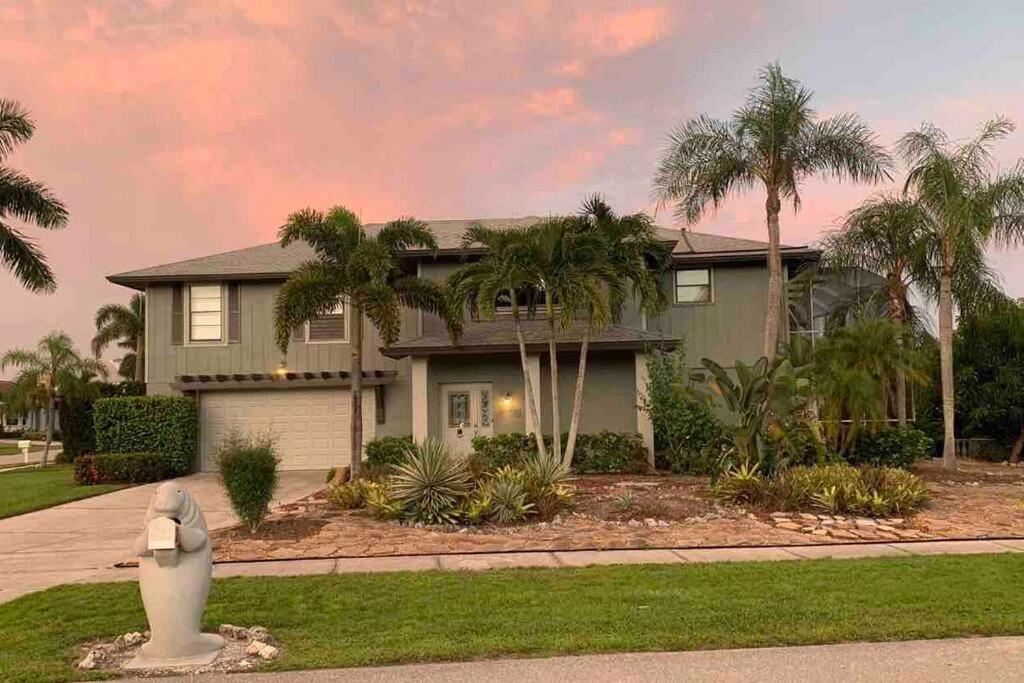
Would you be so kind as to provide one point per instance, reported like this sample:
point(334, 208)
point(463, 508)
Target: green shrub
point(609, 453)
point(248, 472)
point(507, 493)
point(685, 427)
point(866, 490)
point(431, 484)
point(491, 453)
point(892, 447)
point(120, 468)
point(165, 425)
point(384, 452)
point(349, 496)
point(76, 423)
point(380, 502)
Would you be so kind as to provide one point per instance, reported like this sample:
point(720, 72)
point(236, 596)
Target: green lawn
point(23, 491)
point(348, 620)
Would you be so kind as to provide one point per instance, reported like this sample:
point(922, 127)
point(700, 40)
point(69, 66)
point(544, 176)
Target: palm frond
point(30, 201)
point(16, 127)
point(21, 255)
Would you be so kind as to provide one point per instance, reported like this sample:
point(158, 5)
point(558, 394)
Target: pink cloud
point(617, 33)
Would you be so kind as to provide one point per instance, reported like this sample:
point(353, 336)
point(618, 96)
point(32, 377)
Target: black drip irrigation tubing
point(780, 546)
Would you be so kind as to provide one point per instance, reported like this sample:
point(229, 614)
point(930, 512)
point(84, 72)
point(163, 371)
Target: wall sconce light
point(506, 401)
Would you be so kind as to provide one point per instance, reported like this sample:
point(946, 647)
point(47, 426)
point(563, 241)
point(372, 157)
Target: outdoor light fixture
point(506, 401)
point(282, 371)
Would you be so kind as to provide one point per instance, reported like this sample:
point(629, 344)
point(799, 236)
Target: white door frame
point(479, 420)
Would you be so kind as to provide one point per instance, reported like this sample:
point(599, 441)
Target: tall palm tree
point(777, 141)
point(27, 200)
point(502, 271)
point(362, 270)
point(888, 236)
point(125, 325)
point(968, 206)
point(55, 369)
point(630, 264)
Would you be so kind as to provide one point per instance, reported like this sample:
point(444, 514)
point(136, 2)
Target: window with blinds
point(329, 328)
point(205, 313)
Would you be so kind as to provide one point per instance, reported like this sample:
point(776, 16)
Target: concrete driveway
point(75, 541)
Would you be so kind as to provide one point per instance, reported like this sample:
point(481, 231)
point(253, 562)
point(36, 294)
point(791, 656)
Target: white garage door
point(310, 426)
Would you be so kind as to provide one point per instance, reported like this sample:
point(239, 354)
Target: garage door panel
point(310, 426)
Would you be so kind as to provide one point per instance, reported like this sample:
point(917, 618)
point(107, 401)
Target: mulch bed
point(624, 511)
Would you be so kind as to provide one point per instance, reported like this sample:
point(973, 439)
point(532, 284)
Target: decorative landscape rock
point(844, 528)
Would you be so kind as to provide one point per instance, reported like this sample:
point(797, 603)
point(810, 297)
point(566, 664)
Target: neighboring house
point(34, 420)
point(210, 333)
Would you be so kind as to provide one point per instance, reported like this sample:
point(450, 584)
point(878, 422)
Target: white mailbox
point(24, 445)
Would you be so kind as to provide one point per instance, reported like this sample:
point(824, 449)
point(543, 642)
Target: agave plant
point(548, 484)
point(508, 496)
point(431, 484)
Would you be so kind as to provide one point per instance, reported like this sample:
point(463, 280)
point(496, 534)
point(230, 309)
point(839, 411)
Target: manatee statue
point(174, 577)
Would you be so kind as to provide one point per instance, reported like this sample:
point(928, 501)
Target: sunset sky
point(174, 129)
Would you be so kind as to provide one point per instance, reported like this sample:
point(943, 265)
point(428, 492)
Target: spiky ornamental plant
point(431, 483)
point(967, 206)
point(776, 141)
point(363, 271)
point(126, 326)
point(27, 200)
point(53, 369)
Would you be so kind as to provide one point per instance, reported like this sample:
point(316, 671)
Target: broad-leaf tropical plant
point(125, 326)
point(363, 271)
point(26, 200)
point(775, 141)
point(55, 369)
point(968, 206)
point(887, 236)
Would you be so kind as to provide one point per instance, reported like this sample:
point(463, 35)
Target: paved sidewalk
point(78, 541)
point(969, 660)
point(584, 558)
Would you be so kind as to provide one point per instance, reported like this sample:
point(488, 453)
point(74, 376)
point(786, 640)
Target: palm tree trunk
point(556, 422)
point(49, 430)
point(1018, 446)
point(140, 358)
point(357, 395)
point(771, 319)
point(577, 399)
point(946, 364)
point(530, 399)
point(897, 313)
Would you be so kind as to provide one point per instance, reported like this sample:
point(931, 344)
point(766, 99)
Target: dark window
point(328, 328)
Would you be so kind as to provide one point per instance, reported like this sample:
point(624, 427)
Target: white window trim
point(343, 340)
point(187, 317)
point(675, 288)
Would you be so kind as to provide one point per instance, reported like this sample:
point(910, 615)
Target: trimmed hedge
point(165, 425)
point(892, 447)
point(384, 452)
point(601, 453)
point(120, 468)
point(76, 422)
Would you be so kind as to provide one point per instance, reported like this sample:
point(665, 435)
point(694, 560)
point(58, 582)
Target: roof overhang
point(272, 381)
point(744, 257)
point(399, 351)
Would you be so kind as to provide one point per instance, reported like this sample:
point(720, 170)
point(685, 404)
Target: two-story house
point(210, 333)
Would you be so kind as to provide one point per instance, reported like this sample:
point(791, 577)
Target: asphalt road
point(969, 659)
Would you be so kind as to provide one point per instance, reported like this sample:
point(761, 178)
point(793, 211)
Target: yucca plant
point(508, 496)
point(548, 485)
point(431, 484)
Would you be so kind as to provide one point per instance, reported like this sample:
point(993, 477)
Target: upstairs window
point(205, 313)
point(693, 286)
point(330, 328)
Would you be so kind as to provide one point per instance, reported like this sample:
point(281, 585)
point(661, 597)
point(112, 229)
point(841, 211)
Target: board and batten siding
point(257, 351)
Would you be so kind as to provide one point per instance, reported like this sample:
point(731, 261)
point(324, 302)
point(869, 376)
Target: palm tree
point(125, 325)
point(774, 140)
point(967, 207)
point(885, 235)
point(364, 271)
point(629, 265)
point(502, 271)
point(24, 199)
point(53, 370)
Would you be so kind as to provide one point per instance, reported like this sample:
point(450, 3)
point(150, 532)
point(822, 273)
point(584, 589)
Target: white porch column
point(532, 367)
point(644, 426)
point(420, 399)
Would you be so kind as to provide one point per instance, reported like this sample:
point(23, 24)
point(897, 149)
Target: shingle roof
point(498, 336)
point(271, 260)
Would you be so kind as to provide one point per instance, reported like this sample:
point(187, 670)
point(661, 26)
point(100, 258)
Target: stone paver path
point(79, 540)
point(583, 558)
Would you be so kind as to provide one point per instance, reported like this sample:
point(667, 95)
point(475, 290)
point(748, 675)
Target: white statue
point(175, 568)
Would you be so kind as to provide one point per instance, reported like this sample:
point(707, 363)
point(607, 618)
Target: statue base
point(144, 661)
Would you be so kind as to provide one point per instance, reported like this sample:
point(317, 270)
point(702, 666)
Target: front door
point(465, 413)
